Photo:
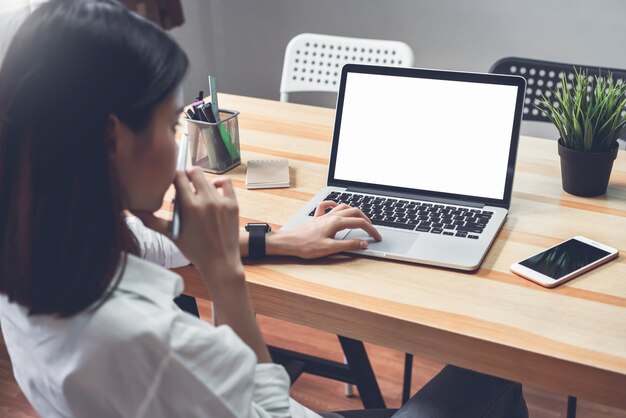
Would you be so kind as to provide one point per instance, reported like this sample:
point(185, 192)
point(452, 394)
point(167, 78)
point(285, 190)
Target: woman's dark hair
point(71, 65)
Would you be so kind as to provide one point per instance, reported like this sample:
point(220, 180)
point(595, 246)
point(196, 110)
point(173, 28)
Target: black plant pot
point(586, 173)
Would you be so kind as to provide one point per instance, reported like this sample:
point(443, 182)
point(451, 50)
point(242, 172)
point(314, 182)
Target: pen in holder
point(214, 147)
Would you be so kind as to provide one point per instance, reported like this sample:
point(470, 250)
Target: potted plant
point(589, 117)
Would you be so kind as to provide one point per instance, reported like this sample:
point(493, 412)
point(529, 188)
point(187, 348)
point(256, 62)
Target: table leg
point(406, 384)
point(571, 407)
point(361, 369)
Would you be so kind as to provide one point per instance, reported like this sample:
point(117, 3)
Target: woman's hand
point(317, 238)
point(209, 235)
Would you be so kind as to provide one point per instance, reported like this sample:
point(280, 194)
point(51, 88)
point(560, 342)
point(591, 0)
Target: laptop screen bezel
point(505, 80)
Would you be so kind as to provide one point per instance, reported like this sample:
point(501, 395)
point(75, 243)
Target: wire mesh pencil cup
point(214, 147)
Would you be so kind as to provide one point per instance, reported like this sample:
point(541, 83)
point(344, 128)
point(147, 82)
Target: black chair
point(456, 392)
point(544, 76)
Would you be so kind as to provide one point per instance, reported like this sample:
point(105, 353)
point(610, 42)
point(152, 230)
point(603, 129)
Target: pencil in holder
point(214, 147)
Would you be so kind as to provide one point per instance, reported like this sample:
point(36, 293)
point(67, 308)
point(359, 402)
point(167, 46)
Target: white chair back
point(313, 62)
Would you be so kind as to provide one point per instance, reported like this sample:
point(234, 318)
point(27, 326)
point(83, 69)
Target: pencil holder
point(214, 147)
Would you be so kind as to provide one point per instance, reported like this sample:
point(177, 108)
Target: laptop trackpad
point(397, 242)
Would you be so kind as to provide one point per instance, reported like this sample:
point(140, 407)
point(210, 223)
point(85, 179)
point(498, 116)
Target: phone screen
point(564, 259)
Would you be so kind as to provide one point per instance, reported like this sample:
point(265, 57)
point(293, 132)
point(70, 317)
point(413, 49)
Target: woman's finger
point(359, 223)
point(336, 246)
point(323, 206)
point(352, 213)
point(155, 223)
point(200, 182)
point(341, 206)
point(226, 185)
point(183, 188)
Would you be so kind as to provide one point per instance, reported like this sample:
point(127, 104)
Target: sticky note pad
point(267, 174)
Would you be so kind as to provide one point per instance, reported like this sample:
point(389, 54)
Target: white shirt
point(161, 250)
point(138, 355)
point(156, 247)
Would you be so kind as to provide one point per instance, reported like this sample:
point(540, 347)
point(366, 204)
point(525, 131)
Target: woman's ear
point(120, 138)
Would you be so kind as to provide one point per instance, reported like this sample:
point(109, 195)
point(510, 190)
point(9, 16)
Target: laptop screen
point(439, 135)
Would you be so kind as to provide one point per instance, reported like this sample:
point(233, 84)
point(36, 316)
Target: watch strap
point(256, 242)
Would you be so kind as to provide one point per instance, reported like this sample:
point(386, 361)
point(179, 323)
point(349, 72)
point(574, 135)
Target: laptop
point(428, 156)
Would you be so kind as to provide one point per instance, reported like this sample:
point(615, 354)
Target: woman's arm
point(313, 240)
point(317, 238)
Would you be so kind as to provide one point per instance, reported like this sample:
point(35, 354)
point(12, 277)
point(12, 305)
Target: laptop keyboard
point(417, 216)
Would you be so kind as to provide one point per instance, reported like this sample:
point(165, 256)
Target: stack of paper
point(267, 174)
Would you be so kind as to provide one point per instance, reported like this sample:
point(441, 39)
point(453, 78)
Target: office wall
point(196, 38)
point(244, 40)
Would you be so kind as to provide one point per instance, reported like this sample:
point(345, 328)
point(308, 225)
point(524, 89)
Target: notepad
point(267, 174)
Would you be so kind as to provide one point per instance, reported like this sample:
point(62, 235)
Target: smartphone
point(181, 165)
point(564, 261)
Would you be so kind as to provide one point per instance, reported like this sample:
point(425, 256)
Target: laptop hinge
point(386, 193)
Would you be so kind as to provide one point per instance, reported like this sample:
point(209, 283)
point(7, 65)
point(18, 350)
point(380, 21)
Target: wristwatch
point(256, 241)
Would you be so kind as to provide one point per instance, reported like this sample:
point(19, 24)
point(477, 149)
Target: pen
point(208, 113)
point(201, 116)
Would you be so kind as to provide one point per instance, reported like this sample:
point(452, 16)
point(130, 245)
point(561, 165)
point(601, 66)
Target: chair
point(544, 76)
point(313, 62)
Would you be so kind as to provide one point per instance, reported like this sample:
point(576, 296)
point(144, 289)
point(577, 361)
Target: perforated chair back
point(313, 62)
point(544, 76)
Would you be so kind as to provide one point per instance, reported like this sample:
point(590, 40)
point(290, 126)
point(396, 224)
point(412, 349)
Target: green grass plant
point(589, 116)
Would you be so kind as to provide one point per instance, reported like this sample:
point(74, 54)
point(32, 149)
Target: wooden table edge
point(569, 378)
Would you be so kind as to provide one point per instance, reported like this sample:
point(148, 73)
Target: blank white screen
point(436, 135)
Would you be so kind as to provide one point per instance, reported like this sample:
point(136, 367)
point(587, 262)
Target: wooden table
point(571, 339)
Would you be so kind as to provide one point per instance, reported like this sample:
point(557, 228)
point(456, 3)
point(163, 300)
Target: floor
point(325, 395)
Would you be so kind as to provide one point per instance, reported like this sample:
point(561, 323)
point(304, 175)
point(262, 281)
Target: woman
point(87, 122)
point(91, 328)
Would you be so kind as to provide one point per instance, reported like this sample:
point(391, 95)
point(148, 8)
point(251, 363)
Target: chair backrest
point(544, 76)
point(313, 62)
